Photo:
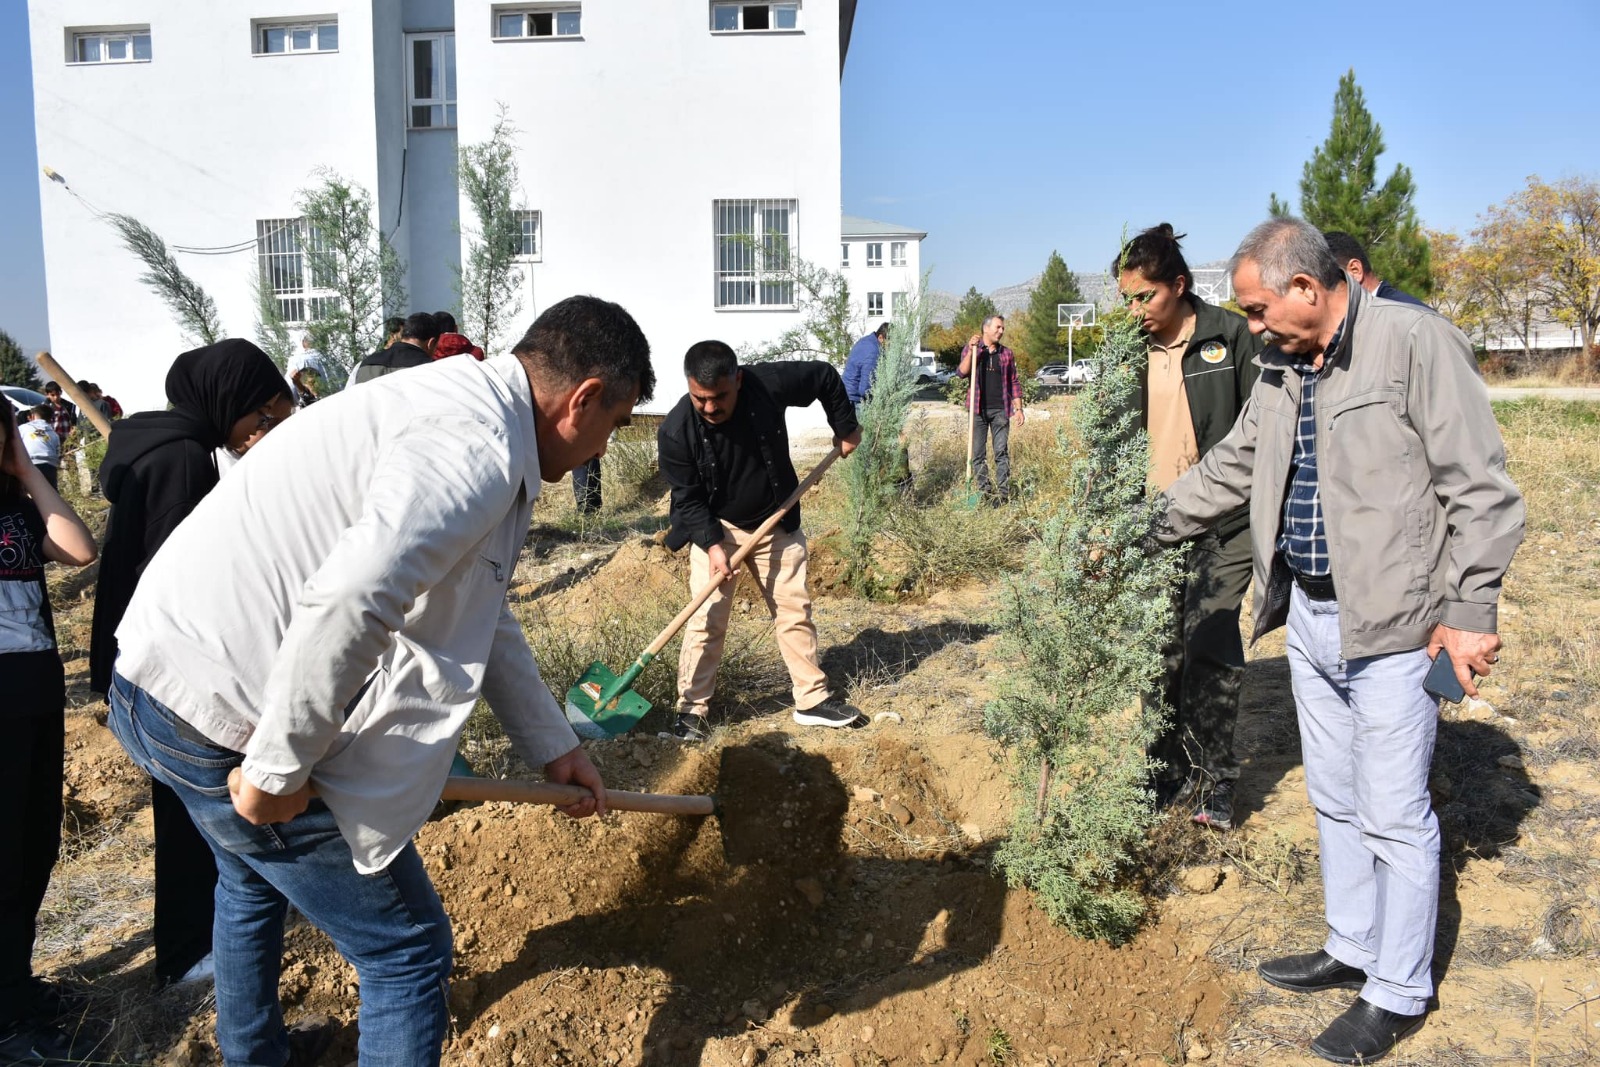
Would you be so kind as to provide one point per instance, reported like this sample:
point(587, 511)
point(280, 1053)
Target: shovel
point(601, 704)
point(973, 499)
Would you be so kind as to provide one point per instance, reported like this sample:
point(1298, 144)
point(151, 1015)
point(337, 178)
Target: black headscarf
point(222, 383)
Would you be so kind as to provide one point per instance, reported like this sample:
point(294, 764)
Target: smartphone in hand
point(1442, 682)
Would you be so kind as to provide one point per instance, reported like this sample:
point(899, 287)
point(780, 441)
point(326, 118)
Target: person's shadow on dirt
point(776, 918)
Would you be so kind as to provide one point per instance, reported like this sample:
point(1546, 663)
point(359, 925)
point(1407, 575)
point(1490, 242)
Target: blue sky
point(1007, 128)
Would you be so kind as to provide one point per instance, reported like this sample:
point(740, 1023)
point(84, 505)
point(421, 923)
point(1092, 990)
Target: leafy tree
point(1561, 223)
point(489, 281)
point(1457, 291)
point(193, 306)
point(1085, 622)
point(826, 329)
point(1339, 190)
point(348, 255)
point(970, 313)
point(1039, 336)
point(16, 368)
point(1504, 273)
point(945, 342)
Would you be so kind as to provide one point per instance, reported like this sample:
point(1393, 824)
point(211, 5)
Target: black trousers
point(1204, 657)
point(33, 713)
point(186, 885)
point(586, 487)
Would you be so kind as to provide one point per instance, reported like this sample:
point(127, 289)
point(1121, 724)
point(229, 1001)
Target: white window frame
point(897, 301)
point(286, 270)
point(874, 253)
point(844, 254)
point(875, 306)
point(897, 253)
point(526, 11)
point(129, 35)
point(446, 102)
point(773, 8)
point(260, 27)
point(524, 255)
point(752, 264)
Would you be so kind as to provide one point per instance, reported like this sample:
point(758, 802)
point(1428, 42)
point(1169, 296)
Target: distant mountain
point(1097, 289)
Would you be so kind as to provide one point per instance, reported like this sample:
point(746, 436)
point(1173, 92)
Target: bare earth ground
point(841, 911)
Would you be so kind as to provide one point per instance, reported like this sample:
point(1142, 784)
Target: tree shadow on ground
point(887, 656)
point(782, 920)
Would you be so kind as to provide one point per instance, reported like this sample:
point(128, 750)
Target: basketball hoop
point(1072, 316)
point(1214, 285)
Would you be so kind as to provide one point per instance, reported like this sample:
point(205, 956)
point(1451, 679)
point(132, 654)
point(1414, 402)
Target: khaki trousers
point(778, 565)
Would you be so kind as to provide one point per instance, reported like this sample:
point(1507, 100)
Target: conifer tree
point(1339, 190)
point(1085, 623)
point(974, 308)
point(16, 368)
point(195, 310)
point(1042, 338)
point(488, 280)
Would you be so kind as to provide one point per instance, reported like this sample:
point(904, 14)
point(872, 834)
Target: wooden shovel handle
point(48, 364)
point(739, 557)
point(522, 792)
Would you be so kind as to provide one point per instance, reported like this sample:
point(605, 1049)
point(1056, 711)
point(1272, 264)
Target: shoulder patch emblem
point(1213, 351)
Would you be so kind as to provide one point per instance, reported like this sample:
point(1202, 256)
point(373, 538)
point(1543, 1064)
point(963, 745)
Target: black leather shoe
point(1311, 972)
point(1364, 1033)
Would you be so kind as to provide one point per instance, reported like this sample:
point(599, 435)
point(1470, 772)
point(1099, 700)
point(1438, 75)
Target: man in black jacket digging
point(724, 450)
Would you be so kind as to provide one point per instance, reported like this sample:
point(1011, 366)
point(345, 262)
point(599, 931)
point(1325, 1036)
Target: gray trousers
point(1366, 734)
point(996, 424)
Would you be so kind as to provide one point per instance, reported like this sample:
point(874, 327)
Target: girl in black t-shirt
point(35, 525)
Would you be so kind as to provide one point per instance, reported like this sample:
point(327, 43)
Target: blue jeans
point(1367, 729)
point(391, 925)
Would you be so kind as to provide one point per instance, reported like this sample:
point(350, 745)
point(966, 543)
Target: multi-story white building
point(883, 264)
point(662, 144)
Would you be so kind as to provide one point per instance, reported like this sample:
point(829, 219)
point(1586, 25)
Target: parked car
point(1052, 374)
point(1081, 373)
point(933, 375)
point(22, 398)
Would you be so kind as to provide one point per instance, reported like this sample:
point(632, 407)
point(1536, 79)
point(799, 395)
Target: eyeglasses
point(265, 420)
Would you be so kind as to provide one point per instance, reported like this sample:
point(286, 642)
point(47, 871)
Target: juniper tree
point(272, 333)
point(488, 280)
point(878, 467)
point(1085, 622)
point(193, 306)
point(16, 368)
point(348, 256)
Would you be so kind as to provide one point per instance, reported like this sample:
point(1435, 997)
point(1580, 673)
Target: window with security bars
point(528, 236)
point(430, 80)
point(874, 305)
point(301, 293)
point(754, 18)
point(542, 20)
point(755, 242)
point(112, 46)
point(283, 38)
point(897, 254)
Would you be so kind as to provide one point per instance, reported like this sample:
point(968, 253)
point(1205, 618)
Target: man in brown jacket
point(1382, 522)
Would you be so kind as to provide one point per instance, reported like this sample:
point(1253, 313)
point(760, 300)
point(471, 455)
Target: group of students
point(45, 428)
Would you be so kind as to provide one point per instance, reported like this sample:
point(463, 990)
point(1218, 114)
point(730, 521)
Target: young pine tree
point(348, 255)
point(1085, 622)
point(489, 281)
point(195, 310)
point(1044, 341)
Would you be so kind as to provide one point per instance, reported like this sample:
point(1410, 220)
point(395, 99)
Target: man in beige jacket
point(1382, 521)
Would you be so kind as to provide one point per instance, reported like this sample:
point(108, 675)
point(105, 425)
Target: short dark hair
point(393, 325)
point(586, 337)
point(708, 362)
point(52, 387)
point(42, 411)
point(421, 326)
point(446, 321)
point(882, 330)
point(1345, 248)
point(1157, 255)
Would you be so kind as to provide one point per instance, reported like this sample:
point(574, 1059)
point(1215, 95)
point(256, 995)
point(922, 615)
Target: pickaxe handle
point(509, 789)
point(48, 364)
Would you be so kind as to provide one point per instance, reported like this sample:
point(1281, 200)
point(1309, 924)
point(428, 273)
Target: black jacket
point(1218, 373)
point(153, 475)
point(690, 468)
point(398, 356)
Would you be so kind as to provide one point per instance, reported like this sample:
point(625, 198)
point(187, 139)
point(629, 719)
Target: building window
point(874, 305)
point(844, 254)
point(431, 80)
point(754, 18)
point(528, 234)
point(897, 303)
point(897, 254)
point(128, 45)
point(293, 275)
point(278, 38)
point(874, 254)
point(541, 20)
point(754, 242)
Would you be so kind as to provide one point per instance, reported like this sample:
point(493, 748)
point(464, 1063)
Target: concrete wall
point(198, 144)
point(630, 133)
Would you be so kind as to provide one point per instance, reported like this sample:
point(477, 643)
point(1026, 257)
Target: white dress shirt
point(334, 608)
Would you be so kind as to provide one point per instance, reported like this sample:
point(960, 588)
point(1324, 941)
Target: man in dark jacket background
point(724, 450)
point(414, 349)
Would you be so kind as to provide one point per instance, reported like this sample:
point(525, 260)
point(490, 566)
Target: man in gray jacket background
point(1382, 522)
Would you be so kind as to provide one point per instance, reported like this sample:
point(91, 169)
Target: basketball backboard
point(1074, 315)
point(1214, 285)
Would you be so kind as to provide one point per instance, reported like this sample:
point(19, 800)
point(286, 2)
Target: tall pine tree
point(974, 308)
point(1041, 338)
point(1339, 190)
point(16, 368)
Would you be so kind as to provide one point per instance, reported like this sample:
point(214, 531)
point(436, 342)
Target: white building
point(662, 143)
point(883, 264)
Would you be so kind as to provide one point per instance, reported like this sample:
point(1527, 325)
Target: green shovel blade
point(593, 722)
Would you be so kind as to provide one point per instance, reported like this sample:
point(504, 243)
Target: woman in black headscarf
point(158, 466)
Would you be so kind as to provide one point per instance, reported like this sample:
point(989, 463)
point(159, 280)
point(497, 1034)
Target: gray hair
point(991, 318)
point(1283, 247)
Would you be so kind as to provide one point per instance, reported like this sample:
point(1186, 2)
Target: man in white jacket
point(341, 638)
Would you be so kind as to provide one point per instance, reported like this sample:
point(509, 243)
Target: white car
point(22, 398)
point(1081, 373)
point(927, 375)
point(1051, 374)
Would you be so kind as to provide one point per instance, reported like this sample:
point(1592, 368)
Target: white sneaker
point(204, 971)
